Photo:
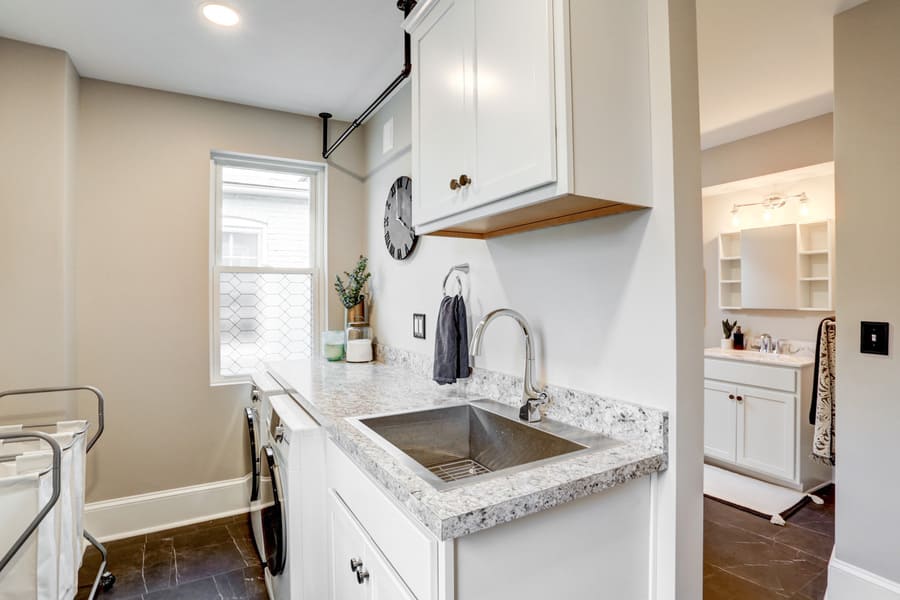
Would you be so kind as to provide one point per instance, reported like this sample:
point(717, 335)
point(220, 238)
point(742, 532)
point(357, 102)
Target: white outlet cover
point(387, 136)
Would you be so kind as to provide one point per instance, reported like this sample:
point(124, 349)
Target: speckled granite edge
point(642, 426)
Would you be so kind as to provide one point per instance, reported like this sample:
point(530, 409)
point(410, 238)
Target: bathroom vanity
point(756, 417)
point(566, 509)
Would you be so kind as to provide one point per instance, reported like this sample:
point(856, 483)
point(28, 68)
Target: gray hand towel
point(446, 342)
point(462, 327)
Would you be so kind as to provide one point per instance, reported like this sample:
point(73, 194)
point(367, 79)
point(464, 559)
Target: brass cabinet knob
point(464, 180)
point(454, 184)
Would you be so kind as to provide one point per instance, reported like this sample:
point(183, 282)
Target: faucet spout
point(532, 396)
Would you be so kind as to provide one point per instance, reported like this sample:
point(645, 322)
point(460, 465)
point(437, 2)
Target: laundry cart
point(42, 482)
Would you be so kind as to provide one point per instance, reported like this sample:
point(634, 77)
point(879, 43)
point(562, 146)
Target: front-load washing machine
point(293, 523)
point(262, 386)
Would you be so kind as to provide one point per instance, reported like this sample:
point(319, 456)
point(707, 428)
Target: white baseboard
point(135, 515)
point(849, 582)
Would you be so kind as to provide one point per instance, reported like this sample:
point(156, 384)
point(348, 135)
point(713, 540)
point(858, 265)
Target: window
point(265, 263)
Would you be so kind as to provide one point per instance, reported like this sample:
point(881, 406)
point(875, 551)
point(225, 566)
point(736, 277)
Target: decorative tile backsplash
point(620, 420)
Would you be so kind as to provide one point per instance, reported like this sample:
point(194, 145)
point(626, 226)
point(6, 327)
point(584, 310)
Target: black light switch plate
point(419, 326)
point(873, 337)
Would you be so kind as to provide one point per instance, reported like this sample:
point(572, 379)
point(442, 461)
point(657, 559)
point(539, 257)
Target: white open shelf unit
point(815, 267)
point(730, 270)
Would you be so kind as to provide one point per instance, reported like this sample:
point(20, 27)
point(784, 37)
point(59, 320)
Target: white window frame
point(317, 172)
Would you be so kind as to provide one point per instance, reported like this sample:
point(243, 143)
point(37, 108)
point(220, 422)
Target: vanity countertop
point(777, 360)
point(335, 392)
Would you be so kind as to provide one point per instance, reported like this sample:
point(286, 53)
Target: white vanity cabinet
point(522, 122)
point(756, 421)
point(602, 540)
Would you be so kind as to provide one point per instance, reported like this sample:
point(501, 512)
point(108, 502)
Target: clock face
point(399, 236)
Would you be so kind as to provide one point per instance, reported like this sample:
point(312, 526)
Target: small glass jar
point(333, 345)
point(359, 331)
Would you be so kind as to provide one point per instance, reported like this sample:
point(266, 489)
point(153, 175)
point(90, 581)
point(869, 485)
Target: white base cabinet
point(597, 546)
point(756, 422)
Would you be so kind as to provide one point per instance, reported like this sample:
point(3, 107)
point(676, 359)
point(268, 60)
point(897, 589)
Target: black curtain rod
point(406, 6)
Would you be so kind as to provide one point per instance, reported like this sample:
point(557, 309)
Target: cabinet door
point(346, 543)
point(515, 118)
point(442, 109)
point(766, 431)
point(383, 582)
point(719, 421)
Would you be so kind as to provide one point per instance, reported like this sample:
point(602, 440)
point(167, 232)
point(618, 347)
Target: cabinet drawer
point(764, 376)
point(411, 551)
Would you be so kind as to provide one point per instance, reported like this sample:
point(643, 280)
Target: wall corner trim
point(849, 582)
point(155, 511)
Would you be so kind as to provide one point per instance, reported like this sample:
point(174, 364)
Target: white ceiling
point(764, 64)
point(304, 56)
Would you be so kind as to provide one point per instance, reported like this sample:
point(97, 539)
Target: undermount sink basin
point(453, 445)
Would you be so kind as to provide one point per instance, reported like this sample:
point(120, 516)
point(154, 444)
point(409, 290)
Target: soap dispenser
point(738, 338)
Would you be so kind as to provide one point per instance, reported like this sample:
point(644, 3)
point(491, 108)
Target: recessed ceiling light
point(221, 15)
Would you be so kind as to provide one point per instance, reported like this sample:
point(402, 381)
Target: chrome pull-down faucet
point(532, 396)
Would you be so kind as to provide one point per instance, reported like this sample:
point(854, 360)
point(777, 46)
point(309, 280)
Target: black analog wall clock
point(399, 236)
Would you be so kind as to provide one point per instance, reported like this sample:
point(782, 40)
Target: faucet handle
point(530, 411)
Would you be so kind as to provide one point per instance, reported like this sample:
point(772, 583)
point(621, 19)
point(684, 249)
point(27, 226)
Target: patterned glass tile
point(263, 317)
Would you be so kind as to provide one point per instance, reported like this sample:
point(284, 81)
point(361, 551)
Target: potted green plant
point(351, 292)
point(727, 328)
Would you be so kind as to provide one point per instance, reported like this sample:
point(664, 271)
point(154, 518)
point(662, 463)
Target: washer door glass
point(273, 517)
point(250, 415)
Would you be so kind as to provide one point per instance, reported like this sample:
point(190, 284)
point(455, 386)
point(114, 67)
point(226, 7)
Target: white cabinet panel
point(515, 134)
point(346, 545)
point(374, 578)
point(720, 421)
point(766, 431)
point(442, 93)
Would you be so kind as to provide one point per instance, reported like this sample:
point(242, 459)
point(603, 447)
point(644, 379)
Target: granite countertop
point(802, 359)
point(334, 392)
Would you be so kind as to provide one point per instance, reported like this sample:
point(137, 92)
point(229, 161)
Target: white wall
point(142, 263)
point(867, 178)
point(601, 295)
point(38, 121)
point(794, 325)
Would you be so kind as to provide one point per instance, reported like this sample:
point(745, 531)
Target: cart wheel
point(107, 580)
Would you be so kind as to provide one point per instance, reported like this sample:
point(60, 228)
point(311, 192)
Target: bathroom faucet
point(532, 397)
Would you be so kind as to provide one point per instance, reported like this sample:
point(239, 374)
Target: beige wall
point(608, 298)
point(867, 180)
point(798, 145)
point(38, 126)
point(142, 307)
point(788, 324)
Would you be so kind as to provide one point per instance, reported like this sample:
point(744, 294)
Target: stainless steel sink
point(455, 445)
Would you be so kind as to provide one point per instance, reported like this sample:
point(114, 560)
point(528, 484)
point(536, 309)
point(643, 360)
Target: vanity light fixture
point(221, 14)
point(769, 204)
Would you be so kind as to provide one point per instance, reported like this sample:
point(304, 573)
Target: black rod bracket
point(406, 6)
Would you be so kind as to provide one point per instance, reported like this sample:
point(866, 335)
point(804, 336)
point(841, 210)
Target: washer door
point(274, 523)
point(253, 435)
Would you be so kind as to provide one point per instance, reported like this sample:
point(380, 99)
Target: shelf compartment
point(730, 295)
point(814, 237)
point(730, 245)
point(815, 294)
point(816, 265)
point(729, 270)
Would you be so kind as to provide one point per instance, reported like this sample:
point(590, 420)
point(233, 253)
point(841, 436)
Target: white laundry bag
point(32, 573)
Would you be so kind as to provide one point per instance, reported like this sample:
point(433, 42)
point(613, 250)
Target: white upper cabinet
point(528, 113)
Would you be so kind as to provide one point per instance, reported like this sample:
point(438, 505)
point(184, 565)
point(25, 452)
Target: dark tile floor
point(214, 560)
point(746, 557)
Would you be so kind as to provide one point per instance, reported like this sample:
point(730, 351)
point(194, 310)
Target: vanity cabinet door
point(383, 581)
point(766, 431)
point(720, 420)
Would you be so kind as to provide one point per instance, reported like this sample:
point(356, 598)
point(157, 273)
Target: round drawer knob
point(361, 576)
point(355, 564)
point(464, 180)
point(731, 396)
point(454, 184)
